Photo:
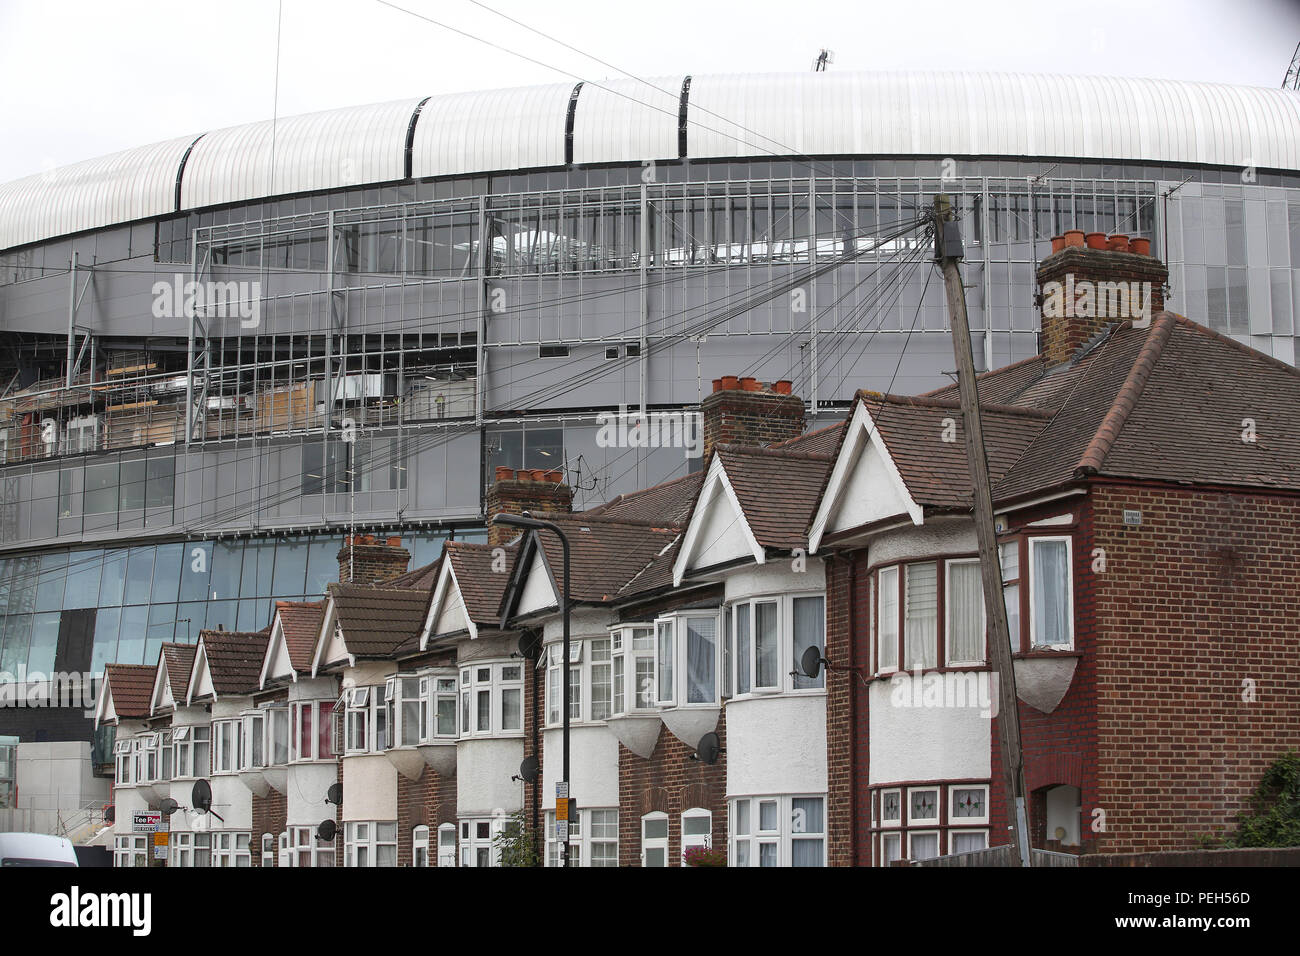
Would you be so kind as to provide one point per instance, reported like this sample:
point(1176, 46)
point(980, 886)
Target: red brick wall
point(672, 782)
point(534, 692)
point(366, 560)
point(1063, 335)
point(270, 815)
point(736, 417)
point(511, 496)
point(1200, 598)
point(429, 801)
point(847, 636)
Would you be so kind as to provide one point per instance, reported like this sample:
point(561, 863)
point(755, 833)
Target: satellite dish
point(327, 831)
point(811, 662)
point(529, 769)
point(167, 806)
point(201, 797)
point(530, 645)
point(334, 794)
point(709, 748)
point(110, 813)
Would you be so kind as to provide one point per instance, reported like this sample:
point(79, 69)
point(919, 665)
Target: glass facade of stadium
point(385, 347)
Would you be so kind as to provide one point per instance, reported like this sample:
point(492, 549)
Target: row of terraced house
point(1145, 479)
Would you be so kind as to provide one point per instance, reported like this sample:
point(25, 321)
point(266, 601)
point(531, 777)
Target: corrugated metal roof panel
point(627, 120)
point(491, 130)
point(122, 187)
point(334, 149)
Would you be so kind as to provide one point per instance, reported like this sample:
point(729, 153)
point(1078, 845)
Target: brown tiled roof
point(606, 554)
point(131, 686)
point(823, 441)
point(667, 503)
point(376, 621)
point(1165, 403)
point(234, 659)
point(180, 661)
point(934, 470)
point(777, 488)
point(301, 623)
point(481, 587)
point(655, 576)
point(423, 577)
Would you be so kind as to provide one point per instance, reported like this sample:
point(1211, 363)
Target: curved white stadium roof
point(783, 114)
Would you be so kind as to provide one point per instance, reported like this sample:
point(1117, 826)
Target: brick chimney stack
point(528, 489)
point(1088, 283)
point(741, 411)
point(366, 560)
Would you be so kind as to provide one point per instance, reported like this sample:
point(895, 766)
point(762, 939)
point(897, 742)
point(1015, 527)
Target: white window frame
point(420, 846)
point(949, 660)
point(888, 636)
point(130, 851)
point(268, 850)
point(227, 738)
point(252, 729)
point(627, 696)
point(938, 842)
point(895, 837)
point(696, 839)
point(302, 844)
point(780, 837)
point(276, 715)
point(474, 846)
point(361, 847)
point(490, 678)
point(954, 832)
point(313, 712)
point(1028, 574)
point(186, 742)
point(187, 848)
point(956, 821)
point(232, 848)
point(675, 629)
point(743, 628)
point(436, 691)
point(402, 690)
point(916, 821)
point(655, 843)
point(123, 752)
point(447, 849)
point(365, 720)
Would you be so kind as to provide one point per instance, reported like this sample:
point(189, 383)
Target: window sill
point(1046, 650)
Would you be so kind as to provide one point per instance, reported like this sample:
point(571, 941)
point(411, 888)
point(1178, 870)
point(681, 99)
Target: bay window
point(963, 612)
point(778, 831)
point(226, 746)
point(191, 849)
point(887, 619)
point(1009, 557)
point(632, 649)
point(231, 849)
point(920, 616)
point(311, 730)
point(370, 844)
point(307, 851)
point(122, 752)
point(443, 704)
point(593, 838)
point(492, 700)
point(687, 655)
point(365, 725)
point(406, 703)
point(770, 635)
point(253, 745)
point(601, 679)
point(925, 821)
point(192, 751)
point(277, 735)
point(1051, 611)
point(478, 842)
point(130, 851)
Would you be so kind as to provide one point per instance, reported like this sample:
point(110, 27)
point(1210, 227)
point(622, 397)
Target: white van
point(36, 849)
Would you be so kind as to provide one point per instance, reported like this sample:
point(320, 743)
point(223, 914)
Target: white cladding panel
point(134, 184)
point(491, 130)
point(627, 120)
point(333, 149)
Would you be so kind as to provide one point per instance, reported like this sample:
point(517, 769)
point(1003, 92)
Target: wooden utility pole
point(948, 251)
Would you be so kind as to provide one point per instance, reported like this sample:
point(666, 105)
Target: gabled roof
point(422, 577)
point(605, 556)
point(172, 675)
point(467, 593)
point(667, 503)
point(1172, 402)
point(301, 623)
point(227, 664)
point(374, 621)
point(126, 692)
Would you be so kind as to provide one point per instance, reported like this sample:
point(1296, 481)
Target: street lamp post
point(527, 521)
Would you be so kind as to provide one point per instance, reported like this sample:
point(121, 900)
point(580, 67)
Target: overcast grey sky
point(80, 78)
